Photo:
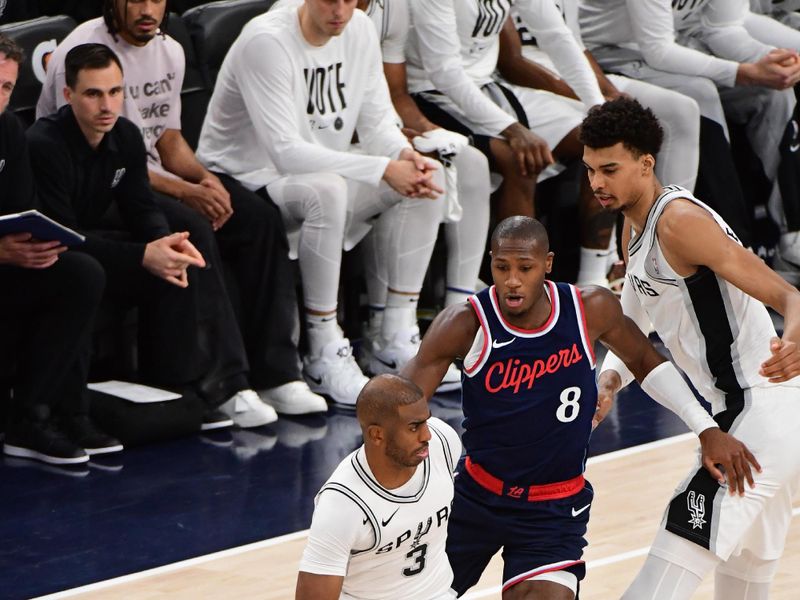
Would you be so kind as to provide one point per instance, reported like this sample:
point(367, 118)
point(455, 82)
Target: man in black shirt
point(47, 305)
point(91, 171)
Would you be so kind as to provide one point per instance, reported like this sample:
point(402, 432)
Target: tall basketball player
point(529, 395)
point(704, 293)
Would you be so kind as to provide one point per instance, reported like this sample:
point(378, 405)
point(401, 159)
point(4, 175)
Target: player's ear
point(375, 435)
point(548, 262)
point(648, 162)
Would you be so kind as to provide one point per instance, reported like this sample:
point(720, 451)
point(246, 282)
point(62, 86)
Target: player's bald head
point(521, 229)
point(379, 400)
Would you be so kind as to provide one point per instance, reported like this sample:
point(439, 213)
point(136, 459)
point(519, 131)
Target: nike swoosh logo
point(386, 522)
point(315, 380)
point(794, 147)
point(496, 344)
point(575, 513)
point(391, 364)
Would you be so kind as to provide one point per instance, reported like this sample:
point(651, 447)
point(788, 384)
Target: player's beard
point(399, 457)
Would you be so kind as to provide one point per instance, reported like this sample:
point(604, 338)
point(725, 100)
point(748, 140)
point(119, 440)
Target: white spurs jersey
point(402, 554)
point(717, 334)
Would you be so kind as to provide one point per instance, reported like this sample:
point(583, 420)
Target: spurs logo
point(697, 507)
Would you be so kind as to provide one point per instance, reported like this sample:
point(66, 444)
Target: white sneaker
point(335, 373)
point(451, 380)
point(394, 355)
point(369, 344)
point(294, 398)
point(247, 410)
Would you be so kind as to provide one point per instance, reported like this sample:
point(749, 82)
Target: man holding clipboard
point(47, 305)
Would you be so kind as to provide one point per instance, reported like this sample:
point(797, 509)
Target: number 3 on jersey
point(418, 554)
point(569, 408)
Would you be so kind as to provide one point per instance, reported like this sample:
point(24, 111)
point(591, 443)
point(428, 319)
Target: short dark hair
point(382, 395)
point(11, 49)
point(87, 56)
point(110, 18)
point(622, 120)
point(521, 228)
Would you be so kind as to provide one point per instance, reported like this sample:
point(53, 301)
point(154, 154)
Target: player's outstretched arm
point(690, 239)
point(449, 337)
point(661, 380)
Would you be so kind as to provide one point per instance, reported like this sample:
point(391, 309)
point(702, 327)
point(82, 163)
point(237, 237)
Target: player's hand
point(784, 364)
point(607, 387)
point(532, 152)
point(170, 256)
point(779, 69)
point(208, 200)
point(411, 175)
point(213, 183)
point(727, 460)
point(21, 250)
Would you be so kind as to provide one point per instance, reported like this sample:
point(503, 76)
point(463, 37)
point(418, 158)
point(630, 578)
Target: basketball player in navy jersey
point(529, 395)
point(704, 293)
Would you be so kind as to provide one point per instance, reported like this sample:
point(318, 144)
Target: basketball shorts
point(703, 512)
point(536, 537)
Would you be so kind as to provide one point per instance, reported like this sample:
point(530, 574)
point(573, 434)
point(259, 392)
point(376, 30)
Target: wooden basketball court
point(631, 489)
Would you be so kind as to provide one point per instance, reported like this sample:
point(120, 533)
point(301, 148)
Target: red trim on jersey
point(553, 300)
point(521, 578)
point(535, 493)
point(585, 332)
point(486, 336)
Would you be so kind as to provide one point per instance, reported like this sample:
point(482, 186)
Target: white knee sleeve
point(314, 208)
point(744, 577)
point(466, 239)
point(409, 228)
point(673, 570)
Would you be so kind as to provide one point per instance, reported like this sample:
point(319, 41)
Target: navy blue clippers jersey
point(529, 395)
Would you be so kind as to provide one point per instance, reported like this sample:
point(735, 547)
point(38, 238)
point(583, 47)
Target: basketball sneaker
point(334, 373)
point(42, 441)
point(391, 357)
point(83, 432)
point(247, 410)
point(294, 398)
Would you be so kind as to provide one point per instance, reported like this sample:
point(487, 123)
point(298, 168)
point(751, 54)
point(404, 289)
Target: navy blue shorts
point(536, 537)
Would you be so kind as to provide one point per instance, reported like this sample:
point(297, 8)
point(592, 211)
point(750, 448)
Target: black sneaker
point(214, 418)
point(83, 432)
point(42, 441)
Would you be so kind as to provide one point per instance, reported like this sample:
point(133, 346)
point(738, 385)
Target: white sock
point(322, 329)
point(593, 266)
point(400, 314)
